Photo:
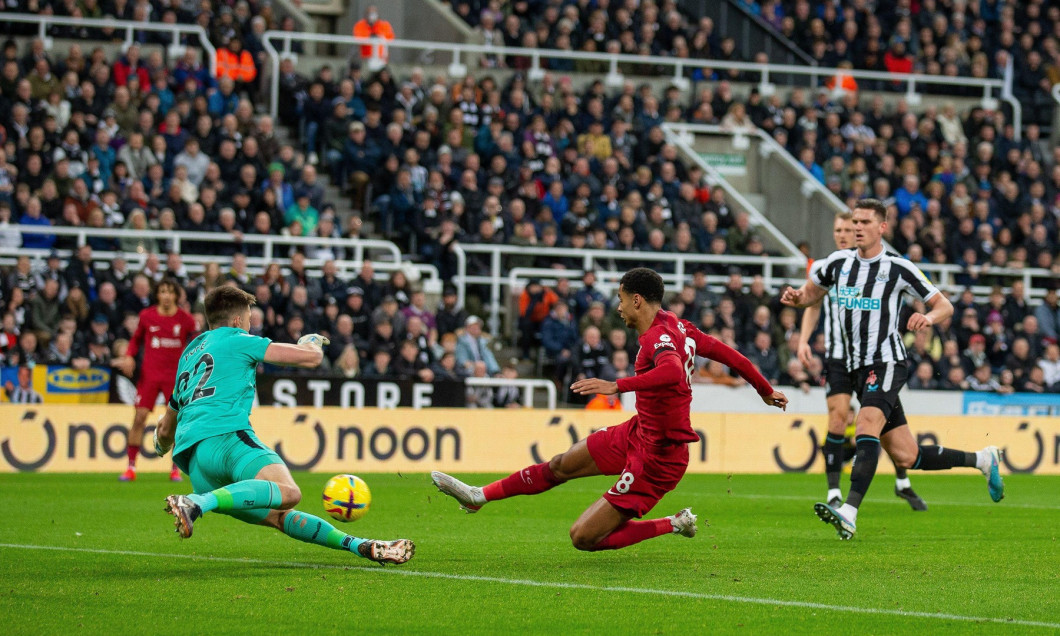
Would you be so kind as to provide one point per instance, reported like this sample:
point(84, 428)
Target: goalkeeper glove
point(161, 449)
point(314, 338)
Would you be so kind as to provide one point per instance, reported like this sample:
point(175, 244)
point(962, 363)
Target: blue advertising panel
point(1012, 404)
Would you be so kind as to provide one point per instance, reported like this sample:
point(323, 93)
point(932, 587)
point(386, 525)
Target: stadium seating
point(137, 141)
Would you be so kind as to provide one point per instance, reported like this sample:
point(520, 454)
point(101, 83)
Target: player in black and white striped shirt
point(840, 380)
point(869, 285)
point(23, 393)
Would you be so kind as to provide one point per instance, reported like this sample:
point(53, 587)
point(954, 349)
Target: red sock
point(528, 481)
point(133, 451)
point(634, 532)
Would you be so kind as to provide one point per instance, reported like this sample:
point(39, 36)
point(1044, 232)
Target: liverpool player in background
point(648, 451)
point(163, 332)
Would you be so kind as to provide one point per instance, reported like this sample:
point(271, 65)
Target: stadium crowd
point(951, 38)
point(432, 162)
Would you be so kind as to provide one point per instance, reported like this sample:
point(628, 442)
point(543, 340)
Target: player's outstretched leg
point(312, 529)
point(250, 494)
point(469, 497)
point(987, 460)
point(574, 463)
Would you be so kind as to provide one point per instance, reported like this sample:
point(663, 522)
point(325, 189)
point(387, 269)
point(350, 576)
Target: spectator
point(510, 396)
point(924, 377)
point(409, 366)
point(1050, 366)
point(983, 380)
point(373, 26)
point(535, 304)
point(590, 356)
point(714, 372)
point(479, 397)
point(32, 216)
point(379, 369)
point(236, 64)
point(446, 369)
point(473, 347)
point(44, 311)
point(1047, 313)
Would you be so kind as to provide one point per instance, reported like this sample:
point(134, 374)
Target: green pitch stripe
point(560, 585)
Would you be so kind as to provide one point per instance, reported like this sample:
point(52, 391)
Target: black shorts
point(838, 381)
point(878, 385)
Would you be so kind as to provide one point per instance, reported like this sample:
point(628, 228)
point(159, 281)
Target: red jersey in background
point(162, 338)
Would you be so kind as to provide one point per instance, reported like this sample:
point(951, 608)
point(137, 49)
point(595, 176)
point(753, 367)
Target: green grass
point(118, 568)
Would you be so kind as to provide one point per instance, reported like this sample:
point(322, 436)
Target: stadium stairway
point(332, 193)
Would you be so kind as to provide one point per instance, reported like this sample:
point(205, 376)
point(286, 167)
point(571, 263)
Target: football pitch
point(83, 553)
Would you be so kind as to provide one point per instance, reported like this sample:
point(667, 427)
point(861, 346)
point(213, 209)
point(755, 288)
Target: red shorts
point(149, 387)
point(647, 472)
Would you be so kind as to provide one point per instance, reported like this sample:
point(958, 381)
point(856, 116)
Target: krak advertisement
point(91, 438)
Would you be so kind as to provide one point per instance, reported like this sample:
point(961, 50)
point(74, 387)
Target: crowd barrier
point(91, 438)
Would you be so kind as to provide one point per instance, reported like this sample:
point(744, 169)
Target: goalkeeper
point(231, 471)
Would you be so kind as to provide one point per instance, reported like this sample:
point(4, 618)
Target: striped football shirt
point(864, 302)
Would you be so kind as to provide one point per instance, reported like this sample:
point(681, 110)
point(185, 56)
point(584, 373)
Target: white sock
point(834, 493)
point(902, 484)
point(477, 497)
point(850, 513)
point(983, 459)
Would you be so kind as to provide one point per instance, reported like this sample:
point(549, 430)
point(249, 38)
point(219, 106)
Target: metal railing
point(176, 48)
point(528, 387)
point(673, 135)
point(776, 271)
point(944, 277)
point(386, 255)
point(810, 187)
point(458, 51)
point(599, 260)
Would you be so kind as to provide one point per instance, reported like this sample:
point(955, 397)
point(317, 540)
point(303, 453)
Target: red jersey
point(163, 338)
point(663, 380)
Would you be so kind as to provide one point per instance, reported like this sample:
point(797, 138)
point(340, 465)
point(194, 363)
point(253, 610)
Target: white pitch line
point(896, 500)
point(872, 500)
point(557, 585)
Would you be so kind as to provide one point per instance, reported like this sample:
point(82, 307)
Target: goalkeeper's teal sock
point(311, 529)
point(242, 495)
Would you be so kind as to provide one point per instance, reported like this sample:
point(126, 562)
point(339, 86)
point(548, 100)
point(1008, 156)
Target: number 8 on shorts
point(624, 482)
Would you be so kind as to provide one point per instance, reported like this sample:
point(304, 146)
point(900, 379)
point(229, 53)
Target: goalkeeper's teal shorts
point(218, 461)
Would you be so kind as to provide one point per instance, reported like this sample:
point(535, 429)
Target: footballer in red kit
point(163, 331)
point(648, 452)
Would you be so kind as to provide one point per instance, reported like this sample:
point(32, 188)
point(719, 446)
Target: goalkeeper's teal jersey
point(216, 382)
